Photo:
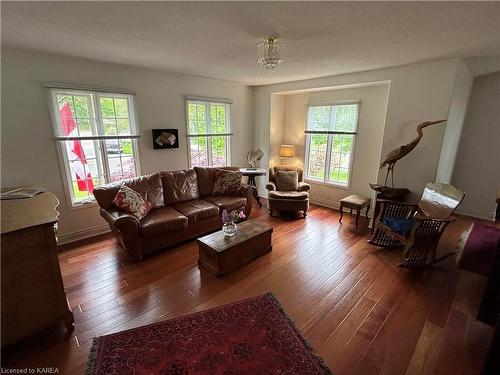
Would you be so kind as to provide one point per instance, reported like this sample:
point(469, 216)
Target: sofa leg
point(270, 213)
point(305, 213)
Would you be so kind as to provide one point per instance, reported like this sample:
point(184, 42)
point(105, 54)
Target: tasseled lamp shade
point(287, 151)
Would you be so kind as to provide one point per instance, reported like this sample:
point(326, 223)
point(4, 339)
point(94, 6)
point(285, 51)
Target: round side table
point(251, 173)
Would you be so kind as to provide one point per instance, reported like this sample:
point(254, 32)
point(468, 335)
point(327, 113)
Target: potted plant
point(229, 220)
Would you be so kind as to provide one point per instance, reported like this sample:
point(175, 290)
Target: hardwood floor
point(362, 313)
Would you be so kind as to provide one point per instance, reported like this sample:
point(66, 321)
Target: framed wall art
point(165, 138)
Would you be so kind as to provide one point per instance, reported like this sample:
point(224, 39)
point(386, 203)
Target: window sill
point(80, 205)
point(330, 184)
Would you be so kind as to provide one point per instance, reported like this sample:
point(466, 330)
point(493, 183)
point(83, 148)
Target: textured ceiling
point(218, 39)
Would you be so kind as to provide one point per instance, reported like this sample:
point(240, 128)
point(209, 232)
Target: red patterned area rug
point(250, 337)
point(477, 248)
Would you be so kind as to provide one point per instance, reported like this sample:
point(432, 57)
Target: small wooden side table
point(356, 202)
point(251, 173)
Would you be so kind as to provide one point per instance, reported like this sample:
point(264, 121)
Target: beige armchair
point(287, 190)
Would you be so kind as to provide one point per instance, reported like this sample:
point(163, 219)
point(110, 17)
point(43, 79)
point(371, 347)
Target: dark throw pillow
point(226, 182)
point(287, 180)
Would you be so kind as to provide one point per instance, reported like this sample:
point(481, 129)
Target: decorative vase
point(230, 228)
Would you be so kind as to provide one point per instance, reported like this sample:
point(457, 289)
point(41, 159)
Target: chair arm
point(304, 186)
point(388, 201)
point(271, 186)
point(421, 217)
point(248, 192)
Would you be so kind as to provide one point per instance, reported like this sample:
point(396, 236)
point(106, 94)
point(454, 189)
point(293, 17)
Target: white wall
point(477, 168)
point(276, 127)
point(454, 125)
point(418, 92)
point(29, 154)
point(373, 106)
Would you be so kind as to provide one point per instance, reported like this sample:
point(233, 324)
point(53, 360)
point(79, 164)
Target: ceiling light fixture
point(270, 49)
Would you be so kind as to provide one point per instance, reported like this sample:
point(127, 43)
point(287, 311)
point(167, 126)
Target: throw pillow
point(132, 202)
point(402, 226)
point(287, 180)
point(226, 182)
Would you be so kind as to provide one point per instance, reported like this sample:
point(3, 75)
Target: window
point(331, 134)
point(96, 136)
point(208, 130)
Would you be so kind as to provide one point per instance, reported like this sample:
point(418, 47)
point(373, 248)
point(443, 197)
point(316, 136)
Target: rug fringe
point(318, 358)
point(92, 355)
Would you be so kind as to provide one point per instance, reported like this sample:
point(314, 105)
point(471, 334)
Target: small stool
point(356, 202)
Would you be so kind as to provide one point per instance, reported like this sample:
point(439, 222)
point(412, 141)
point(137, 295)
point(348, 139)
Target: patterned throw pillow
point(132, 202)
point(226, 182)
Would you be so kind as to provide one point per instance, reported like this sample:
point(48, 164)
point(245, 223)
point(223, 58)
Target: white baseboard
point(83, 233)
point(476, 213)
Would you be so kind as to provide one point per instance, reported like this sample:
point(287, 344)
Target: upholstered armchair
point(287, 190)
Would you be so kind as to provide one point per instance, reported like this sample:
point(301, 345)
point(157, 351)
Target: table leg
point(251, 182)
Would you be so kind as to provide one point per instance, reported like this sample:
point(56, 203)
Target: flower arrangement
point(232, 216)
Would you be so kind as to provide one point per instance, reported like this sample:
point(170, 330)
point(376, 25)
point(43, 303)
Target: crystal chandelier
point(270, 49)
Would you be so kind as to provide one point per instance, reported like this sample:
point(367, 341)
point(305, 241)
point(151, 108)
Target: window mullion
point(209, 131)
point(104, 161)
point(328, 158)
point(306, 153)
point(102, 143)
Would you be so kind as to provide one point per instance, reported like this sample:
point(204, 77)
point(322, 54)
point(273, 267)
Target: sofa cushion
point(179, 186)
point(227, 202)
point(132, 202)
point(295, 195)
point(227, 182)
point(287, 180)
point(206, 178)
point(161, 220)
point(149, 187)
point(197, 210)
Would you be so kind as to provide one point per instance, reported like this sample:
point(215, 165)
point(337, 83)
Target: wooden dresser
point(33, 296)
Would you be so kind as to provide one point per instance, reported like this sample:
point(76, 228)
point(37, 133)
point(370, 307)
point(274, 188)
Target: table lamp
point(287, 151)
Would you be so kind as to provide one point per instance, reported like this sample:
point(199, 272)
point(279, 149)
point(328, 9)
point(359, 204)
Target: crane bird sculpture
point(398, 153)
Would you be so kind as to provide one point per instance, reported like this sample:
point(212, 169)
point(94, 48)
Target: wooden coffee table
point(221, 254)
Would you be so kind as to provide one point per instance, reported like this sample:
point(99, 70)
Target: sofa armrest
point(128, 226)
point(248, 192)
point(271, 186)
point(118, 219)
point(304, 186)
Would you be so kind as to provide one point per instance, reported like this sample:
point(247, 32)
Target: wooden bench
point(356, 202)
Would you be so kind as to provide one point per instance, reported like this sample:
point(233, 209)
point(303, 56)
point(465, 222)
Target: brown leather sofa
point(183, 208)
point(290, 200)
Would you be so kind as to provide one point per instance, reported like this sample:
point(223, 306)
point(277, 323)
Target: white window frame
point(330, 134)
point(207, 102)
point(99, 139)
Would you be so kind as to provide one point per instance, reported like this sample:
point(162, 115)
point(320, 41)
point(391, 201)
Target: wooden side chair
point(417, 228)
